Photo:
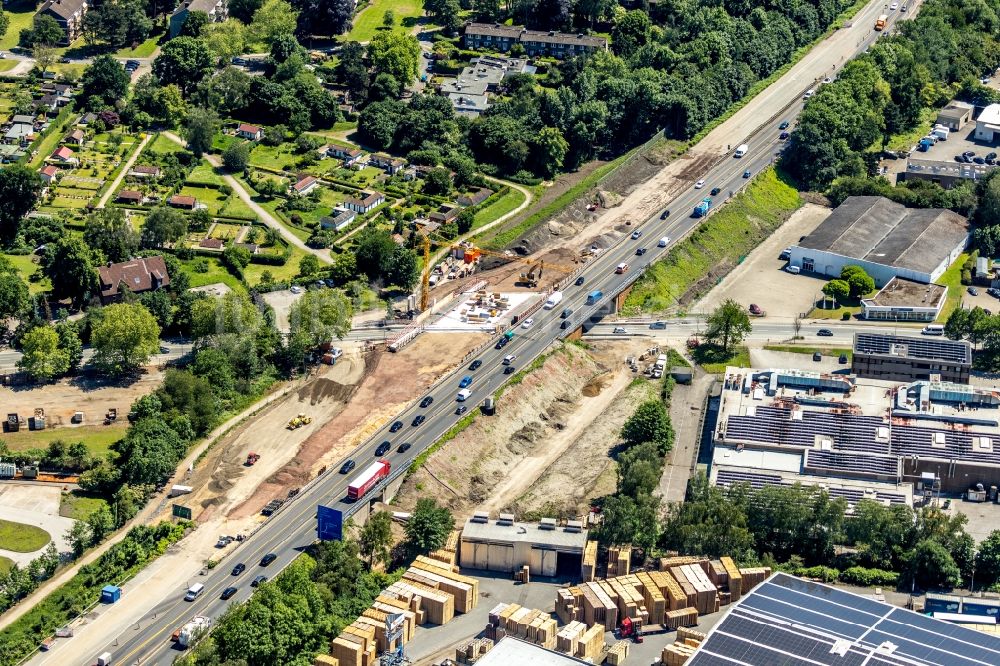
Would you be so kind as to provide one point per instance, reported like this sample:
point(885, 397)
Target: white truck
point(554, 300)
point(192, 631)
point(659, 366)
point(741, 150)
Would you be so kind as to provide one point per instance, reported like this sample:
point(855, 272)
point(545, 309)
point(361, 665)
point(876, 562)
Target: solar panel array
point(793, 622)
point(757, 480)
point(855, 434)
point(921, 348)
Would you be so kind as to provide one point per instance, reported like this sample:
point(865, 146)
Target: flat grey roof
point(557, 539)
point(510, 650)
point(906, 293)
point(884, 232)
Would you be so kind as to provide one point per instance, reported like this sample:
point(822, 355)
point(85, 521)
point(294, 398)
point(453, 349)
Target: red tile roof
point(129, 195)
point(211, 243)
point(62, 153)
point(49, 171)
point(182, 201)
point(248, 129)
point(304, 183)
point(138, 275)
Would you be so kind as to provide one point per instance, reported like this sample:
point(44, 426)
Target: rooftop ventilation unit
point(481, 517)
point(505, 519)
point(547, 524)
point(574, 526)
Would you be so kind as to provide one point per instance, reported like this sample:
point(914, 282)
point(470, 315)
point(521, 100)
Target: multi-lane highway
point(294, 527)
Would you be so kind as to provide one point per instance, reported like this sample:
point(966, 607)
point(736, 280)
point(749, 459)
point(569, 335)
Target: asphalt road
point(170, 350)
point(293, 528)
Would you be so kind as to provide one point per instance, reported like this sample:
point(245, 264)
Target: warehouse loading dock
point(546, 548)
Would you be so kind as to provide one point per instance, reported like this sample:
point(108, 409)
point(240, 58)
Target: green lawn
point(5, 564)
point(498, 208)
point(20, 13)
point(143, 50)
point(26, 266)
point(204, 174)
point(215, 273)
point(281, 157)
point(717, 244)
point(272, 207)
point(211, 197)
point(253, 272)
point(713, 360)
point(226, 232)
point(22, 538)
point(98, 438)
point(952, 278)
point(163, 146)
point(7, 65)
point(369, 21)
point(907, 140)
point(78, 504)
point(327, 200)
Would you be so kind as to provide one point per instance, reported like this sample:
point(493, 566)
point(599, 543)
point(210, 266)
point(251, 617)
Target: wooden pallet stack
point(676, 654)
point(670, 589)
point(589, 565)
point(524, 575)
point(449, 552)
point(754, 576)
point(690, 594)
point(473, 651)
point(686, 633)
point(591, 643)
point(735, 578)
point(655, 603)
point(617, 654)
point(568, 605)
point(440, 576)
point(706, 594)
point(619, 561)
point(355, 646)
point(435, 606)
point(682, 617)
point(532, 625)
point(569, 637)
point(325, 660)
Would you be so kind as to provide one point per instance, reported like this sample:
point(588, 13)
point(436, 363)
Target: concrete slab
point(763, 358)
point(33, 504)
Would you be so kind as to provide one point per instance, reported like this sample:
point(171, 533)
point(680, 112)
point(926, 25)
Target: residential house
point(143, 172)
point(68, 14)
point(476, 198)
point(48, 174)
point(75, 137)
point(64, 155)
point(249, 132)
point(23, 119)
point(469, 105)
point(445, 214)
point(138, 275)
point(87, 119)
point(304, 185)
point(252, 248)
point(19, 134)
point(419, 171)
point(391, 165)
point(181, 201)
point(349, 155)
point(211, 244)
point(339, 220)
point(46, 104)
point(129, 197)
point(9, 153)
point(217, 11)
point(537, 43)
point(362, 206)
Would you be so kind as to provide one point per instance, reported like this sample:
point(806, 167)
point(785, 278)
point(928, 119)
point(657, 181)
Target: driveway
point(124, 172)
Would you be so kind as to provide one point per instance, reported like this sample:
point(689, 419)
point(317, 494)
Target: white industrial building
point(504, 545)
point(886, 239)
point(988, 124)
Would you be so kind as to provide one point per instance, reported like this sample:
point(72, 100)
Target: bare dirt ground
point(85, 394)
point(551, 438)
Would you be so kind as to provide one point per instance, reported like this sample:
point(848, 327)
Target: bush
point(865, 577)
point(821, 573)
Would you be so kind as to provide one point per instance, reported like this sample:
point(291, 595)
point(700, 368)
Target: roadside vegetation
point(696, 264)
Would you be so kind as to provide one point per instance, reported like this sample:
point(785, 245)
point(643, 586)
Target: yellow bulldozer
point(299, 421)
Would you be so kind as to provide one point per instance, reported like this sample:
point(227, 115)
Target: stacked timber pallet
point(533, 626)
point(735, 578)
point(681, 650)
point(619, 561)
point(617, 654)
point(449, 552)
point(753, 577)
point(325, 660)
point(589, 565)
point(473, 651)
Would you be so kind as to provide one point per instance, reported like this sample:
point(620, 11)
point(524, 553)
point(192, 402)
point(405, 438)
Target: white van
point(194, 592)
point(741, 150)
point(463, 395)
point(933, 329)
point(508, 359)
point(794, 270)
point(663, 241)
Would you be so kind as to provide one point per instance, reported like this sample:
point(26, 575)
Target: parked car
point(404, 447)
point(973, 291)
point(843, 359)
point(426, 402)
point(809, 93)
point(786, 253)
point(383, 449)
point(295, 289)
point(396, 426)
point(817, 356)
point(979, 160)
point(995, 293)
point(824, 333)
point(228, 592)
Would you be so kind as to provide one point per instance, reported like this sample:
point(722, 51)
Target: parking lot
point(940, 160)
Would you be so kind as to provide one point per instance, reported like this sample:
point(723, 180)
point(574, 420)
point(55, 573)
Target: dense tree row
point(945, 49)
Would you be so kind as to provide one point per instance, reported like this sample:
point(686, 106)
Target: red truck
point(368, 479)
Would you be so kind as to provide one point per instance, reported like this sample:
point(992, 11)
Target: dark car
point(715, 190)
point(396, 425)
point(418, 419)
point(239, 568)
point(991, 156)
point(783, 125)
point(426, 402)
point(267, 559)
point(783, 136)
point(995, 293)
point(565, 324)
point(979, 160)
point(843, 359)
point(973, 291)
point(475, 364)
point(817, 356)
point(665, 214)
point(746, 174)
point(579, 281)
point(461, 409)
point(640, 251)
point(824, 333)
point(658, 325)
point(509, 370)
point(228, 592)
point(960, 158)
point(566, 313)
point(404, 447)
point(259, 580)
point(347, 467)
point(383, 448)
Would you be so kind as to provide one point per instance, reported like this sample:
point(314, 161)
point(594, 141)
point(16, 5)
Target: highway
point(293, 528)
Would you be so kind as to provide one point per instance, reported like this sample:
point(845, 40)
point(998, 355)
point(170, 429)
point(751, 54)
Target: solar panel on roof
point(786, 620)
point(924, 348)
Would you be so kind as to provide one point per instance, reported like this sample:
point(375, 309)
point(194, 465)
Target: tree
point(437, 182)
point(236, 156)
point(164, 225)
point(428, 527)
point(628, 520)
point(244, 9)
point(184, 62)
point(19, 190)
point(236, 258)
point(4, 23)
point(194, 23)
point(395, 53)
point(78, 537)
point(308, 265)
point(226, 40)
point(42, 358)
point(324, 17)
point(379, 258)
point(707, 522)
point(149, 452)
point(838, 290)
point(631, 31)
point(124, 338)
point(101, 523)
point(957, 326)
point(649, 423)
point(639, 469)
point(550, 151)
point(201, 126)
point(858, 280)
point(273, 19)
point(13, 294)
point(988, 560)
point(44, 30)
point(728, 325)
point(351, 70)
point(319, 316)
point(932, 566)
point(108, 232)
point(69, 265)
point(104, 82)
point(69, 341)
point(376, 538)
point(388, 19)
